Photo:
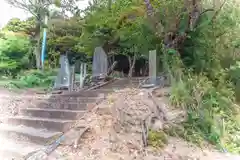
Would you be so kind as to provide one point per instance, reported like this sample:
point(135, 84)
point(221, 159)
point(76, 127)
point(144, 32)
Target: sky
point(7, 12)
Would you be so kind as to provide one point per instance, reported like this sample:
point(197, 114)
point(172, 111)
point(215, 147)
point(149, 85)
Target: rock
point(57, 92)
point(14, 112)
point(157, 125)
point(39, 155)
point(117, 128)
point(104, 110)
point(113, 137)
point(73, 136)
point(81, 133)
point(177, 116)
point(151, 157)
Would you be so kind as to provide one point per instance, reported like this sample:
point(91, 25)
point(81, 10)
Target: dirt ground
point(13, 100)
point(104, 142)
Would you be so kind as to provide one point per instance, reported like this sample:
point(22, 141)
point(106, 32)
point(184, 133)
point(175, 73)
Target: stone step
point(125, 82)
point(131, 79)
point(55, 98)
point(66, 98)
point(138, 78)
point(12, 154)
point(85, 93)
point(104, 91)
point(52, 113)
point(39, 136)
point(120, 86)
point(122, 82)
point(50, 124)
point(62, 99)
point(69, 106)
point(16, 150)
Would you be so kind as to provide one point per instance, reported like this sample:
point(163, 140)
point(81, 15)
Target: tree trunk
point(109, 5)
point(37, 54)
point(32, 62)
point(111, 68)
point(131, 65)
point(37, 48)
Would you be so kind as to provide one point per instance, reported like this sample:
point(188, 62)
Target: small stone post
point(72, 78)
point(152, 66)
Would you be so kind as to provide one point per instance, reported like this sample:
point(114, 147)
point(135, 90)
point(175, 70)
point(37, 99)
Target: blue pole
point(44, 43)
point(43, 47)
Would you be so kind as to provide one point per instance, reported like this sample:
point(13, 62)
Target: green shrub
point(212, 114)
point(157, 139)
point(234, 75)
point(35, 78)
point(206, 80)
point(13, 54)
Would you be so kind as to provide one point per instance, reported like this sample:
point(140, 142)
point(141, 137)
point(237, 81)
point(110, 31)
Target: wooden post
point(152, 66)
point(131, 65)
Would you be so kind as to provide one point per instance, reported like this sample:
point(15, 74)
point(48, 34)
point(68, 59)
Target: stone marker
point(83, 74)
point(63, 77)
point(100, 63)
point(152, 67)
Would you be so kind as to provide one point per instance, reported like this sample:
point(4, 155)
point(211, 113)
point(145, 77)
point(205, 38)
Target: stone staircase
point(122, 83)
point(46, 119)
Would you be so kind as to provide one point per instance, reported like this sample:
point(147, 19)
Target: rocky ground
point(12, 100)
point(116, 133)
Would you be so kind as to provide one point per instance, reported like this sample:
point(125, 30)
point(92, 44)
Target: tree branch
point(218, 11)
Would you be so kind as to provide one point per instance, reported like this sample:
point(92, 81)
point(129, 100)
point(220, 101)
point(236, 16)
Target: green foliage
point(18, 26)
point(157, 139)
point(33, 79)
point(64, 35)
point(205, 79)
point(125, 22)
point(234, 76)
point(13, 53)
point(185, 133)
point(211, 110)
point(14, 25)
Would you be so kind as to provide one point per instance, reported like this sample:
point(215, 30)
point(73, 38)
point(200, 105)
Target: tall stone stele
point(63, 78)
point(100, 63)
point(153, 67)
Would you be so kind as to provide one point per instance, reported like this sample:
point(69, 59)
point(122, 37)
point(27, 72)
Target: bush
point(13, 53)
point(212, 113)
point(34, 78)
point(205, 80)
point(157, 139)
point(234, 76)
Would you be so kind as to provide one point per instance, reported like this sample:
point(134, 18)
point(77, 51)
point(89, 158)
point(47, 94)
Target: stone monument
point(100, 63)
point(63, 78)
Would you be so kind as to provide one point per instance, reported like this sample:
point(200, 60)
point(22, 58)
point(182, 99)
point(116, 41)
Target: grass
point(157, 139)
point(30, 79)
point(212, 114)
